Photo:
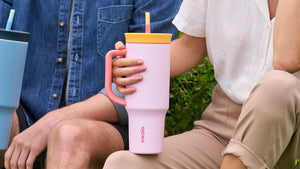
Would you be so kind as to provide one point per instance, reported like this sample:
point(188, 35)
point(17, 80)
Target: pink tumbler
point(146, 107)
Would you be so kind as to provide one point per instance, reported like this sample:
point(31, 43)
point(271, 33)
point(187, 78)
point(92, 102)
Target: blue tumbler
point(13, 51)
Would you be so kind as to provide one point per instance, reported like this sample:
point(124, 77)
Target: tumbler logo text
point(142, 134)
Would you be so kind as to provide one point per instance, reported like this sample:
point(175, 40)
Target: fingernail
point(142, 68)
point(131, 89)
point(139, 78)
point(139, 61)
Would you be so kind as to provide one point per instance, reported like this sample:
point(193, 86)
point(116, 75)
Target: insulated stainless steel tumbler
point(146, 107)
point(13, 51)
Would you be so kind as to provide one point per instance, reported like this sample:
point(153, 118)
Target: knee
point(280, 82)
point(120, 159)
point(276, 92)
point(67, 133)
point(278, 87)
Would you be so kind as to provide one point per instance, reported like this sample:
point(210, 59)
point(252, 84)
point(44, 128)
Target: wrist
point(52, 118)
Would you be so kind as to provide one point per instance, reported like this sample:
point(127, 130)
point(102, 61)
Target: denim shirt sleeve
point(161, 16)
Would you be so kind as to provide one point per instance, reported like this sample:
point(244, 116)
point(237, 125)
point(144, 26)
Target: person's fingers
point(126, 71)
point(15, 154)
point(120, 81)
point(31, 158)
point(126, 91)
point(23, 157)
point(119, 45)
point(122, 62)
point(7, 156)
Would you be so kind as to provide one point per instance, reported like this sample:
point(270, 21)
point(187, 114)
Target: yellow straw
point(147, 15)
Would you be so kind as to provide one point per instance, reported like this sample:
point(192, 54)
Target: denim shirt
point(95, 27)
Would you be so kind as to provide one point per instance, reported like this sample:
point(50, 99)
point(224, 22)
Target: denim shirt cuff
point(121, 111)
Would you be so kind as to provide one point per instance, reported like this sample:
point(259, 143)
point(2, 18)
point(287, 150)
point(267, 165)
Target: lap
point(94, 132)
point(89, 124)
point(99, 138)
point(86, 141)
point(198, 148)
point(96, 138)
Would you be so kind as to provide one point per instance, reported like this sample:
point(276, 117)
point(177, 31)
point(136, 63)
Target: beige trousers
point(263, 132)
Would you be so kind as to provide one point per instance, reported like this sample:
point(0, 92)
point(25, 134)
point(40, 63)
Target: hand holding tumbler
point(146, 107)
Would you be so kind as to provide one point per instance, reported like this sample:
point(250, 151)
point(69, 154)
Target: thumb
point(119, 45)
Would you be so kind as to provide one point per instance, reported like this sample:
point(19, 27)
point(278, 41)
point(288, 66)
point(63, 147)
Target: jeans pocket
point(112, 23)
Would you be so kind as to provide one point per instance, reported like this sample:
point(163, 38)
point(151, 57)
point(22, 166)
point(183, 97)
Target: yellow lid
point(148, 37)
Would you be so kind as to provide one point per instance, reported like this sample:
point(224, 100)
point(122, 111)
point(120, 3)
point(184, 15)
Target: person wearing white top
point(254, 117)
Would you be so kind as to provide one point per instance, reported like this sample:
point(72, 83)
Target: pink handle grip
point(108, 75)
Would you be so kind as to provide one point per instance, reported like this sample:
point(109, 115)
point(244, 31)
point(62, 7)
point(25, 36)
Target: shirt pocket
point(8, 1)
point(112, 23)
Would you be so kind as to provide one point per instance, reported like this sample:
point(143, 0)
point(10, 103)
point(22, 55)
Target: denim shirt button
point(76, 57)
point(54, 95)
point(60, 60)
point(61, 24)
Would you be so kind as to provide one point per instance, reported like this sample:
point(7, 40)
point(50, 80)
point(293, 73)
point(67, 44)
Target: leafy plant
point(190, 94)
point(297, 163)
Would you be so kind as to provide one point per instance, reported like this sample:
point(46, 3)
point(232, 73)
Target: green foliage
point(297, 163)
point(190, 94)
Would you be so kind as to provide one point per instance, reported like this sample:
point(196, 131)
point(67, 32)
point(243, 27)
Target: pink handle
point(108, 74)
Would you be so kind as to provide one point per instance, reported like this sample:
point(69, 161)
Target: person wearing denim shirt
point(62, 96)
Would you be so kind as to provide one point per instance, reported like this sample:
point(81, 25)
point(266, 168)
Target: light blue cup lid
point(14, 35)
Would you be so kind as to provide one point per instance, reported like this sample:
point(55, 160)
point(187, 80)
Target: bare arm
point(287, 36)
point(186, 53)
point(98, 107)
